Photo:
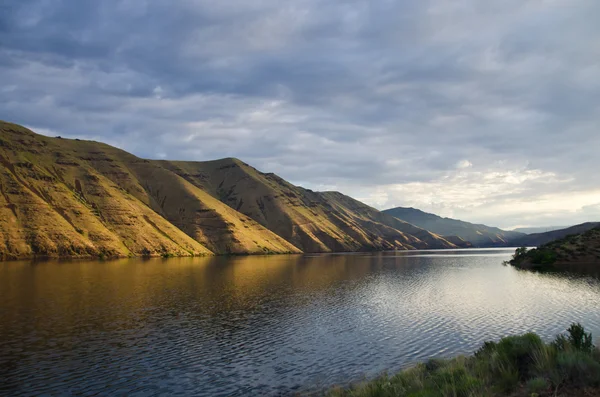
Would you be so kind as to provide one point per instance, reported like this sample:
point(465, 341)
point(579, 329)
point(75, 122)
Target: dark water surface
point(264, 325)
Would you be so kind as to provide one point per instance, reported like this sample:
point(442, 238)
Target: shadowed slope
point(312, 221)
point(459, 242)
point(478, 235)
point(68, 197)
point(394, 228)
point(537, 239)
point(79, 198)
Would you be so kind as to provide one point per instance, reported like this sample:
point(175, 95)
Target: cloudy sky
point(488, 111)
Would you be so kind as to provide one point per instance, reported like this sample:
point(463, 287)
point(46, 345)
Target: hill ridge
point(81, 198)
point(537, 239)
point(479, 235)
point(579, 252)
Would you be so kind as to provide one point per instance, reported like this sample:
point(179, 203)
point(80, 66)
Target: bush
point(498, 368)
point(561, 343)
point(485, 350)
point(520, 253)
point(518, 352)
point(454, 381)
point(507, 379)
point(579, 339)
point(544, 359)
point(576, 339)
point(579, 367)
point(537, 385)
point(537, 258)
point(509, 361)
point(542, 256)
point(435, 363)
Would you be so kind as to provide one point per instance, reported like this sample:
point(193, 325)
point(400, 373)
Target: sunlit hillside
point(69, 197)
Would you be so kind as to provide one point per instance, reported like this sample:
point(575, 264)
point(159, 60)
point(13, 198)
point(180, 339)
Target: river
point(265, 325)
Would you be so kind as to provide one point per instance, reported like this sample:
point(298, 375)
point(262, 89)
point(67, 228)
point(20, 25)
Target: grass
point(69, 198)
point(313, 222)
point(86, 199)
point(514, 366)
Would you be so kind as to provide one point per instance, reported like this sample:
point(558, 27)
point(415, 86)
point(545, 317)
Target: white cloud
point(487, 111)
point(464, 164)
point(502, 198)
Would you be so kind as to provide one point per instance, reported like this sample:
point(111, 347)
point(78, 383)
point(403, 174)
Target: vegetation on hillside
point(75, 198)
point(539, 239)
point(312, 221)
point(583, 248)
point(514, 366)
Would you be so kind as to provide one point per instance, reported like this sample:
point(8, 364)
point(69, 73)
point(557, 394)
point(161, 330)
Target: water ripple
point(264, 325)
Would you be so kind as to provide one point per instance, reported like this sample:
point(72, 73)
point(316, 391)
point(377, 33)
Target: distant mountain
point(478, 235)
point(530, 230)
point(538, 239)
point(76, 198)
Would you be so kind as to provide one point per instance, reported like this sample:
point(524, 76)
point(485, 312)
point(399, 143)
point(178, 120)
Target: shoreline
point(514, 366)
point(43, 258)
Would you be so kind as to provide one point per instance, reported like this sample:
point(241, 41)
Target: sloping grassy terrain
point(371, 218)
point(478, 235)
point(459, 242)
point(69, 197)
point(312, 221)
point(573, 251)
point(518, 366)
point(538, 239)
point(61, 197)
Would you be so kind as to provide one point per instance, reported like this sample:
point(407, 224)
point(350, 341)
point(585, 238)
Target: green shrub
point(412, 379)
point(498, 368)
point(576, 339)
point(517, 352)
point(454, 381)
point(537, 385)
point(542, 256)
point(486, 350)
point(561, 343)
point(507, 378)
point(435, 363)
point(508, 361)
point(579, 339)
point(579, 367)
point(520, 253)
point(544, 360)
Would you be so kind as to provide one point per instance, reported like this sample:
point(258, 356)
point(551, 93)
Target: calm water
point(264, 325)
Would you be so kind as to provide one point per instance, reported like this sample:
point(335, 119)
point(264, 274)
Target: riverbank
point(571, 253)
point(515, 366)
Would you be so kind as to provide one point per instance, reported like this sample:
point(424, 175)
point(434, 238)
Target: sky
point(486, 111)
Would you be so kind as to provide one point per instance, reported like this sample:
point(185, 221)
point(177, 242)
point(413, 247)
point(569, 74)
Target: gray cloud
point(380, 99)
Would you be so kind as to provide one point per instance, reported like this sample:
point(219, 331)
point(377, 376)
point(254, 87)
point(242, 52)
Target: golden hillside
point(62, 197)
point(312, 221)
point(65, 197)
